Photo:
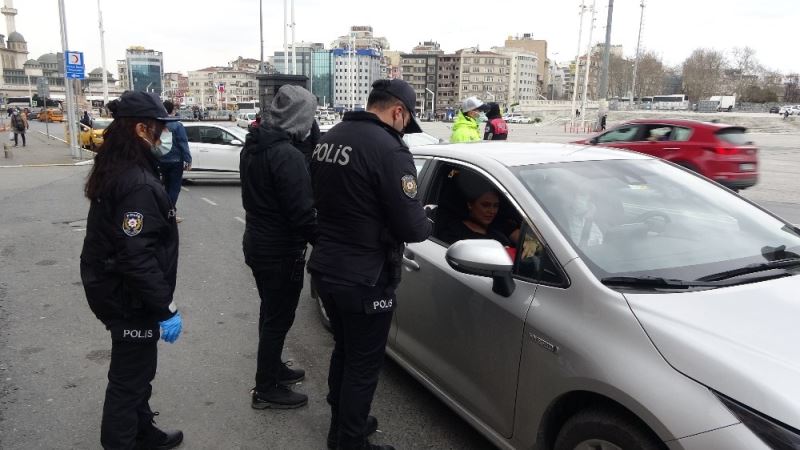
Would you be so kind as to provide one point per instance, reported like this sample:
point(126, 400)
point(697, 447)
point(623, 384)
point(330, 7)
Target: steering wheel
point(654, 225)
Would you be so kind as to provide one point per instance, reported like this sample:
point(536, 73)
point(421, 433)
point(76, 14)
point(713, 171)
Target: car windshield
point(419, 139)
point(237, 132)
point(639, 218)
point(98, 124)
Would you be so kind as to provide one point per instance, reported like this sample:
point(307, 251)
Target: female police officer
point(128, 267)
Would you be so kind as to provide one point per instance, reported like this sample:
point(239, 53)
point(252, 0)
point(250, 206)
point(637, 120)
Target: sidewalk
point(39, 150)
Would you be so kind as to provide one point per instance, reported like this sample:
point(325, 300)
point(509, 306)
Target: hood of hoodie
point(292, 110)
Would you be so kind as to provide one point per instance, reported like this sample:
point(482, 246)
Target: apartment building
point(485, 75)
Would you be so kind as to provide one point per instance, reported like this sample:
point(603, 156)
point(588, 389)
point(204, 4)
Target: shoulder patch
point(409, 183)
point(132, 223)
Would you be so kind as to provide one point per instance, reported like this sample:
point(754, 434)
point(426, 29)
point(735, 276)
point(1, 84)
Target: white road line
point(51, 136)
point(184, 189)
point(240, 219)
point(208, 201)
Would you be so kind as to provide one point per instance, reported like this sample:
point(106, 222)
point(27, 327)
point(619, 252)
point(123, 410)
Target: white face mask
point(165, 146)
point(482, 118)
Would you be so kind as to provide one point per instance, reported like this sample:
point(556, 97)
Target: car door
point(454, 330)
point(619, 137)
point(196, 148)
point(220, 151)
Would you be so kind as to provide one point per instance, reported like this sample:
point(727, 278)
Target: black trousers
point(279, 285)
point(126, 411)
point(358, 354)
point(16, 142)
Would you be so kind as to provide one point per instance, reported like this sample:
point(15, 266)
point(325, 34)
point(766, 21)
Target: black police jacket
point(365, 191)
point(130, 254)
point(277, 197)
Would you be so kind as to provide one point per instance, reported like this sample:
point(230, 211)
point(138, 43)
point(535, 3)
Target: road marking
point(240, 220)
point(208, 201)
point(51, 136)
point(184, 189)
point(79, 229)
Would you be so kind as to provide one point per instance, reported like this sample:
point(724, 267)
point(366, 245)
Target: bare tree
point(619, 76)
point(745, 70)
point(650, 76)
point(702, 73)
point(792, 89)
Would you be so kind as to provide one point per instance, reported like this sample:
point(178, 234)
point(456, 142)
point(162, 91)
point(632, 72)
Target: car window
point(193, 134)
point(656, 133)
point(420, 163)
point(463, 200)
point(534, 262)
point(211, 135)
point(622, 134)
point(680, 134)
point(227, 138)
point(735, 136)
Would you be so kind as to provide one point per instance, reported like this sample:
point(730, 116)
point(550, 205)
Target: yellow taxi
point(51, 115)
point(90, 137)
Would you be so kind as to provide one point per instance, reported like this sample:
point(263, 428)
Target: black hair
point(122, 148)
point(382, 100)
point(493, 110)
point(169, 106)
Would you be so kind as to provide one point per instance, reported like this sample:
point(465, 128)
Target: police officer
point(128, 267)
point(365, 191)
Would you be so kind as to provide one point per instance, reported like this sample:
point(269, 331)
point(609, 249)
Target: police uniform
point(128, 269)
point(365, 192)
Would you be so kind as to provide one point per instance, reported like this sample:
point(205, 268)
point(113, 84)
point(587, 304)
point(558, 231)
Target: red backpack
point(499, 125)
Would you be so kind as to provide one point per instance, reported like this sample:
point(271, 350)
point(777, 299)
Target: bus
point(245, 107)
point(674, 102)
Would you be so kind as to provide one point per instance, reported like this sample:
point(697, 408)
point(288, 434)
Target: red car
point(723, 153)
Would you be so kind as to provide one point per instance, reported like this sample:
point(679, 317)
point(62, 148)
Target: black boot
point(151, 437)
point(288, 376)
point(278, 397)
point(333, 431)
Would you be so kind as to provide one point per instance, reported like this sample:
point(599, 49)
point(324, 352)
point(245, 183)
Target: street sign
point(43, 87)
point(74, 66)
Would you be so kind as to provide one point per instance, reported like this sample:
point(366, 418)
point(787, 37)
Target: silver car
point(635, 306)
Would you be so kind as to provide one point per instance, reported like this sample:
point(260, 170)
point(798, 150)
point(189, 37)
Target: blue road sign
point(74, 66)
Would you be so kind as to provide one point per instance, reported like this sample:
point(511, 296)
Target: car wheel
point(605, 429)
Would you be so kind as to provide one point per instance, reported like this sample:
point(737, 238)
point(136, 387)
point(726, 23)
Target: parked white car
point(244, 120)
point(215, 150)
point(517, 118)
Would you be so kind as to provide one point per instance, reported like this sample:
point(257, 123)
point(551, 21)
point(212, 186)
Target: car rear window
point(735, 136)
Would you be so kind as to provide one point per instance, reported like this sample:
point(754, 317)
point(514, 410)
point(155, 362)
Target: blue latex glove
point(171, 328)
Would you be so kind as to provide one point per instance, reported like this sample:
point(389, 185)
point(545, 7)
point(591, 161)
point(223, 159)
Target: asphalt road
point(54, 355)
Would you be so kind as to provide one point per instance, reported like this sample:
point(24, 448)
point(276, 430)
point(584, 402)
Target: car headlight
point(777, 435)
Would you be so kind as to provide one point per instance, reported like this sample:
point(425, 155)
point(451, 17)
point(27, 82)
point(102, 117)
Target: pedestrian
point(177, 157)
point(86, 120)
point(603, 120)
point(465, 126)
point(577, 113)
point(785, 114)
point(128, 267)
point(496, 127)
point(280, 222)
point(19, 123)
point(365, 191)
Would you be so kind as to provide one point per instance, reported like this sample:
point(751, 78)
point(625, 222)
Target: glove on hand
point(171, 328)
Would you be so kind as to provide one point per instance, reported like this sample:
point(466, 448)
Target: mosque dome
point(15, 37)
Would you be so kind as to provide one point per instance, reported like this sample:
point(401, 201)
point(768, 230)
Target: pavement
point(39, 150)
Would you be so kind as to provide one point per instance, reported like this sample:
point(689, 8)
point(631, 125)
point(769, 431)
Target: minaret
point(9, 11)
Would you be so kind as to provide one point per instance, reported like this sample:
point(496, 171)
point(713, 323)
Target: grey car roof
point(513, 154)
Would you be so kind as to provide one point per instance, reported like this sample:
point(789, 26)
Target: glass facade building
point(145, 70)
point(322, 77)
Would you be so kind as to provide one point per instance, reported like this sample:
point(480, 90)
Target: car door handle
point(672, 148)
point(410, 263)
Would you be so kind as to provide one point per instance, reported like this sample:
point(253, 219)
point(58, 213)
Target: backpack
point(18, 123)
point(499, 125)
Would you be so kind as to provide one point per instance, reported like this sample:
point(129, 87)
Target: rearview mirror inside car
point(484, 258)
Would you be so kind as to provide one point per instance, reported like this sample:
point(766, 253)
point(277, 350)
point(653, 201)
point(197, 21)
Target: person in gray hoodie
point(280, 222)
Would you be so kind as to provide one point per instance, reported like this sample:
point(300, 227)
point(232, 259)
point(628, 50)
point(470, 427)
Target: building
point(14, 50)
point(122, 75)
point(145, 70)
point(448, 97)
point(391, 60)
point(485, 75)
point(361, 38)
point(523, 80)
point(556, 81)
point(176, 87)
point(353, 75)
point(315, 63)
point(421, 72)
point(221, 87)
point(538, 46)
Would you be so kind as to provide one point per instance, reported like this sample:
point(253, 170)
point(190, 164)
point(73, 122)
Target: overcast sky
point(198, 33)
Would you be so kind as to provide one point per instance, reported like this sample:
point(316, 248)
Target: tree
point(650, 76)
point(792, 89)
point(620, 71)
point(702, 73)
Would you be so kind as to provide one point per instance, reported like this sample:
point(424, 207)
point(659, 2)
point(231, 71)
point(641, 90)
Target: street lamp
point(433, 102)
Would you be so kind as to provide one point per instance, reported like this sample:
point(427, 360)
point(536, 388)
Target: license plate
point(747, 167)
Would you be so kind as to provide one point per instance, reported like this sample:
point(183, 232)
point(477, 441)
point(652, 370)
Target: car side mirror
point(594, 141)
point(236, 142)
point(483, 258)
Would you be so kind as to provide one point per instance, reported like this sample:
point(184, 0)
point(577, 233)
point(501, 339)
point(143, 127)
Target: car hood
point(742, 341)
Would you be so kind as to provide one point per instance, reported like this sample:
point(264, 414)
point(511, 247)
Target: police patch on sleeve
point(409, 183)
point(132, 223)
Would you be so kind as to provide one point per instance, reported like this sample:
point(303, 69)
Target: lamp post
point(433, 102)
point(70, 101)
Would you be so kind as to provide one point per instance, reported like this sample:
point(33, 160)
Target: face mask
point(482, 118)
point(164, 147)
point(402, 128)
